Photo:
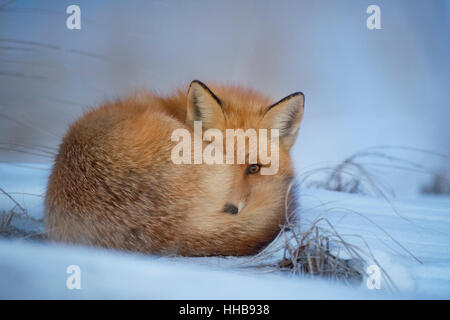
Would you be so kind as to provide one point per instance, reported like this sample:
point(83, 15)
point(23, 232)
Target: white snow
point(420, 225)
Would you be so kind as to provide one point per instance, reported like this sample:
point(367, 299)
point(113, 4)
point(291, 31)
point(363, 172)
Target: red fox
point(113, 183)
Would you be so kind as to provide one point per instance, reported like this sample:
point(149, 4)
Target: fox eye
point(253, 168)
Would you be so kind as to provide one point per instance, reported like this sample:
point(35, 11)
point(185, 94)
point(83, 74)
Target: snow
point(39, 271)
point(420, 225)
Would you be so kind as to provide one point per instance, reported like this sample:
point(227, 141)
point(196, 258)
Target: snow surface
point(420, 225)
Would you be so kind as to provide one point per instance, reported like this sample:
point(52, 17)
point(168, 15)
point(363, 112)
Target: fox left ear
point(203, 105)
point(286, 115)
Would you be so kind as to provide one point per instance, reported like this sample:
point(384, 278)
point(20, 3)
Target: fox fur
point(113, 183)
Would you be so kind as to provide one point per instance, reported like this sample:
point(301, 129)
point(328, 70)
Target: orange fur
point(114, 185)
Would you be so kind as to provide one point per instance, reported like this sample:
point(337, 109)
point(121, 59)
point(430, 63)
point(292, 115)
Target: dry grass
point(318, 252)
point(310, 254)
point(356, 173)
point(10, 229)
point(315, 249)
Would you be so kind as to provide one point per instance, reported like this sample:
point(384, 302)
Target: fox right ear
point(203, 105)
point(286, 115)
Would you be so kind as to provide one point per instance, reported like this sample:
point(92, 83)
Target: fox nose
point(230, 208)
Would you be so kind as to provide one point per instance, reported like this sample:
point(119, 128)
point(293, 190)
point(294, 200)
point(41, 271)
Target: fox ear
point(286, 115)
point(203, 105)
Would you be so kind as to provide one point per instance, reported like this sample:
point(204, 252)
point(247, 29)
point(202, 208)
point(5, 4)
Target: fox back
point(114, 182)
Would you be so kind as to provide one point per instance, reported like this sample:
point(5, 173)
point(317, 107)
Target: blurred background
point(364, 88)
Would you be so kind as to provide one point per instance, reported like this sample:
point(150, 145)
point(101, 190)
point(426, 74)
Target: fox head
point(252, 206)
